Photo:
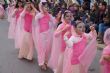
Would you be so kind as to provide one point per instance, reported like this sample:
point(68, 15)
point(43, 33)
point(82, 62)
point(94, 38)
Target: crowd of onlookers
point(96, 13)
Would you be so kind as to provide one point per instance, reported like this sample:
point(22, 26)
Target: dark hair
point(29, 3)
point(72, 5)
point(65, 5)
point(45, 3)
point(75, 23)
point(95, 6)
point(16, 6)
point(104, 3)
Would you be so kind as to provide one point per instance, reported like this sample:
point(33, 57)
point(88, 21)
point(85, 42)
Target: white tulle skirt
point(26, 49)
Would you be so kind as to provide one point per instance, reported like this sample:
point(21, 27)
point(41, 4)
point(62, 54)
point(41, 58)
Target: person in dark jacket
point(103, 26)
point(100, 14)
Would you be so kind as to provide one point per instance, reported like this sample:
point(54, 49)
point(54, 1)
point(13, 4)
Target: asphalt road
point(9, 63)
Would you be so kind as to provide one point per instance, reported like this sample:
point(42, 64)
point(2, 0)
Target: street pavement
point(9, 63)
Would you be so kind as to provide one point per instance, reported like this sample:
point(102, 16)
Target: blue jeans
point(80, 2)
point(102, 27)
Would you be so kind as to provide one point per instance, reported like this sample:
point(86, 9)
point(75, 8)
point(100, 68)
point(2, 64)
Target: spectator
point(93, 12)
point(104, 26)
point(100, 14)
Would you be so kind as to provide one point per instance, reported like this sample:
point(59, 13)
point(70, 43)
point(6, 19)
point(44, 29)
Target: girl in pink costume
point(1, 11)
point(15, 15)
point(105, 59)
point(10, 10)
point(26, 47)
point(58, 46)
point(42, 34)
point(81, 49)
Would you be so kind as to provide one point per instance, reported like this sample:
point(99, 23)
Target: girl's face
point(20, 4)
point(45, 8)
point(29, 8)
point(76, 7)
point(93, 7)
point(101, 7)
point(72, 8)
point(80, 28)
point(68, 17)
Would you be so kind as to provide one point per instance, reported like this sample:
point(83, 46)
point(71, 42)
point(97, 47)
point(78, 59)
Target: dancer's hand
point(67, 33)
point(32, 5)
point(59, 16)
point(93, 31)
point(67, 27)
point(107, 58)
point(16, 10)
point(66, 36)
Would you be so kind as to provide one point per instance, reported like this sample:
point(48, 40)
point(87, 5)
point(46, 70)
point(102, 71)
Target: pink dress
point(77, 51)
point(44, 23)
point(42, 34)
point(58, 46)
point(10, 10)
point(26, 48)
point(78, 55)
point(28, 22)
point(105, 65)
point(19, 30)
point(13, 23)
point(1, 11)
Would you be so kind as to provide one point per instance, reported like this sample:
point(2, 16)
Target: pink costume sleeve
point(14, 13)
point(35, 28)
point(67, 66)
point(88, 54)
point(91, 35)
point(19, 30)
point(1, 10)
point(58, 32)
point(61, 29)
point(10, 11)
point(13, 22)
point(105, 66)
point(53, 21)
point(107, 37)
point(37, 35)
point(56, 50)
point(23, 13)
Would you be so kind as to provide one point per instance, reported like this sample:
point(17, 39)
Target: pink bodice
point(44, 23)
point(105, 63)
point(63, 47)
point(78, 48)
point(28, 22)
point(106, 50)
point(18, 13)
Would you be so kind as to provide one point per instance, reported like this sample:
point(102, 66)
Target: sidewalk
point(100, 46)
